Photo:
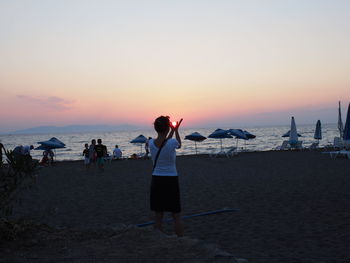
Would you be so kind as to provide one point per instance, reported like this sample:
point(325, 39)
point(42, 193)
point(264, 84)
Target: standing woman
point(165, 192)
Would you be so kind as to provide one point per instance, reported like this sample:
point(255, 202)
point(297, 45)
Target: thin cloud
point(51, 102)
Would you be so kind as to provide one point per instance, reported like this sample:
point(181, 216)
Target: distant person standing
point(51, 155)
point(101, 152)
point(117, 153)
point(86, 156)
point(1, 148)
point(17, 151)
point(165, 191)
point(22, 154)
point(92, 152)
point(147, 147)
point(26, 149)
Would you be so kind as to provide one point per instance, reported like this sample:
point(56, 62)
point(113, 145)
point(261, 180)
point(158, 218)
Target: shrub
point(18, 175)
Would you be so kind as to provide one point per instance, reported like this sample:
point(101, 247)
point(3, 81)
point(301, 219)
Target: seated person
point(117, 153)
point(45, 160)
point(26, 149)
point(134, 156)
point(50, 155)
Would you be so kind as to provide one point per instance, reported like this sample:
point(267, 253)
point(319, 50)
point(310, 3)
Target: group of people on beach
point(20, 154)
point(165, 190)
point(97, 153)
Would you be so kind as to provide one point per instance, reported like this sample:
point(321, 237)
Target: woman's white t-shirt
point(166, 164)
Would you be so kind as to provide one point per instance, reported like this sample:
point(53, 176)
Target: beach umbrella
point(318, 131)
point(239, 134)
point(139, 139)
point(340, 123)
point(249, 135)
point(346, 134)
point(53, 143)
point(287, 134)
point(42, 147)
point(293, 136)
point(220, 134)
point(196, 137)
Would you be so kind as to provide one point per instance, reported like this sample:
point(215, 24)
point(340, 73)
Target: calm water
point(267, 138)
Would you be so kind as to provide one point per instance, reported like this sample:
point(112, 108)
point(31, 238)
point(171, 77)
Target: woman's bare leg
point(158, 221)
point(179, 229)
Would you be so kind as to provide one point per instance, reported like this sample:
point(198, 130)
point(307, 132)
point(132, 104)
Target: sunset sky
point(238, 62)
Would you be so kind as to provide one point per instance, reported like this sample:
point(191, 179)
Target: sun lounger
point(346, 144)
point(108, 158)
point(229, 153)
point(338, 143)
point(299, 145)
point(232, 152)
point(313, 146)
point(285, 145)
point(336, 154)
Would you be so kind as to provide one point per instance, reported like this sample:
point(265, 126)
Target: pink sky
point(227, 63)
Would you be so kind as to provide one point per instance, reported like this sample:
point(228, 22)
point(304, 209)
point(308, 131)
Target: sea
point(267, 138)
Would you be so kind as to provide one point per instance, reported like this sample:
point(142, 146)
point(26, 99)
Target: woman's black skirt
point(165, 194)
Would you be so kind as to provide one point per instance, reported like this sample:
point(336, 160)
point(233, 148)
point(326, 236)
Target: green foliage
point(19, 174)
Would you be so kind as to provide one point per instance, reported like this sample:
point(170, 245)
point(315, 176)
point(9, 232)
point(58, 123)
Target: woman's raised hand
point(176, 124)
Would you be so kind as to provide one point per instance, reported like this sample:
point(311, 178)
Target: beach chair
point(233, 151)
point(108, 158)
point(313, 146)
point(285, 146)
point(341, 153)
point(213, 152)
point(338, 143)
point(299, 145)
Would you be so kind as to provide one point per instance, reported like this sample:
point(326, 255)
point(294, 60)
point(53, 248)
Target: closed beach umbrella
point(287, 134)
point(139, 139)
point(196, 137)
point(293, 136)
point(220, 134)
point(347, 126)
point(340, 123)
point(318, 131)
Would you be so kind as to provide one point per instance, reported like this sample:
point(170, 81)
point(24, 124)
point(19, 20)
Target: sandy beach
point(293, 207)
